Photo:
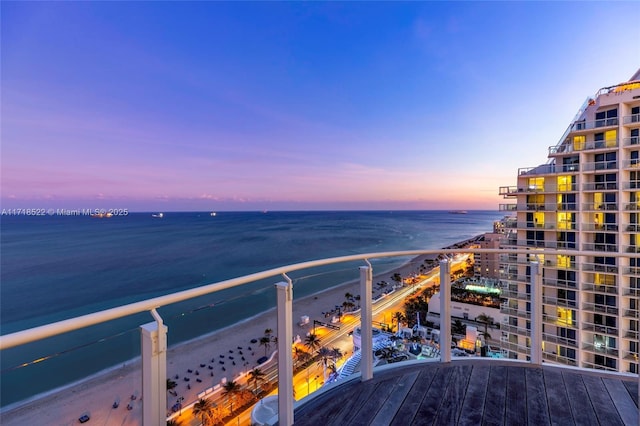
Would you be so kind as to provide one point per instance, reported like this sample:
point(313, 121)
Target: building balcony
point(600, 186)
point(632, 163)
point(599, 267)
point(552, 282)
point(569, 147)
point(600, 349)
point(600, 247)
point(600, 165)
point(598, 227)
point(601, 329)
point(634, 140)
point(632, 206)
point(558, 340)
point(631, 185)
point(508, 207)
point(578, 126)
point(598, 308)
point(599, 288)
point(600, 206)
point(442, 390)
point(633, 270)
point(631, 119)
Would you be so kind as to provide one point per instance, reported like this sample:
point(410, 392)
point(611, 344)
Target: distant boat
point(458, 212)
point(213, 214)
point(158, 215)
point(102, 215)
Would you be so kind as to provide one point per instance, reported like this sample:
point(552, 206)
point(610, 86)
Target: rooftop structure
point(585, 198)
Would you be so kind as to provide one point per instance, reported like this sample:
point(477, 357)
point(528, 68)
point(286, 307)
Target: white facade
point(586, 197)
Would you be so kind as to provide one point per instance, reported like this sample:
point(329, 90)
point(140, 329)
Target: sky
point(215, 106)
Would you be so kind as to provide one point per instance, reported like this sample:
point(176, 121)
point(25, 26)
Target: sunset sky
point(171, 106)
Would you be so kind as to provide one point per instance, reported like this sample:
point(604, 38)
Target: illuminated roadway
point(340, 339)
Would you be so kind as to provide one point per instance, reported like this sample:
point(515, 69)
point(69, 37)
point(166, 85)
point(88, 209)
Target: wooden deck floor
point(477, 392)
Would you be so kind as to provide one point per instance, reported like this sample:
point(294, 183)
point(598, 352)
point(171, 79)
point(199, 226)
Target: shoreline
point(95, 394)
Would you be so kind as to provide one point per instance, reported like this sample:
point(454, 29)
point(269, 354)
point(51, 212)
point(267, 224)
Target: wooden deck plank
point(387, 412)
point(473, 404)
point(632, 387)
point(495, 402)
point(579, 402)
point(407, 411)
point(537, 407)
point(429, 406)
point(353, 403)
point(516, 405)
point(367, 411)
point(622, 400)
point(602, 404)
point(451, 406)
point(331, 403)
point(477, 392)
point(557, 398)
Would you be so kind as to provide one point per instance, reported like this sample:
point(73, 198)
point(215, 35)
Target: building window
point(607, 118)
point(570, 164)
point(566, 183)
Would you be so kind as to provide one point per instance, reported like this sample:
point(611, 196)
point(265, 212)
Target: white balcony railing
point(154, 334)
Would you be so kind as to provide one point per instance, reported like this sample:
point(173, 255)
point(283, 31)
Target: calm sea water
point(58, 267)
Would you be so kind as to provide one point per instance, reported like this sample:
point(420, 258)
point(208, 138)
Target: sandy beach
point(204, 361)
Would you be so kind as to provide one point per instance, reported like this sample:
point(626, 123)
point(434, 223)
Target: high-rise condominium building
point(586, 197)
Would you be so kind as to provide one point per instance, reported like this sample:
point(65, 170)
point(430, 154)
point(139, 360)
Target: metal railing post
point(153, 342)
point(366, 323)
point(445, 311)
point(285, 357)
point(536, 313)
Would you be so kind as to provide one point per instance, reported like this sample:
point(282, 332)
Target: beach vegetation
point(324, 355)
point(231, 390)
point(399, 317)
point(312, 341)
point(486, 320)
point(171, 384)
point(256, 376)
point(204, 409)
point(397, 278)
point(348, 305)
point(458, 327)
point(266, 342)
point(415, 306)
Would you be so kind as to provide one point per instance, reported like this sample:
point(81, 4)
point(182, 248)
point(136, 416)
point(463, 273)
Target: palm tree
point(458, 328)
point(298, 355)
point(324, 354)
point(256, 375)
point(348, 296)
point(397, 278)
point(266, 342)
point(171, 384)
point(336, 354)
point(204, 409)
point(231, 391)
point(486, 320)
point(399, 317)
point(312, 341)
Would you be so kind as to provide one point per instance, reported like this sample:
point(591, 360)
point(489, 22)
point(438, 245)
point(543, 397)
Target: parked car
point(84, 418)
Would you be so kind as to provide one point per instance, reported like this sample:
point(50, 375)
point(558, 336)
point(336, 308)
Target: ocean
point(59, 267)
